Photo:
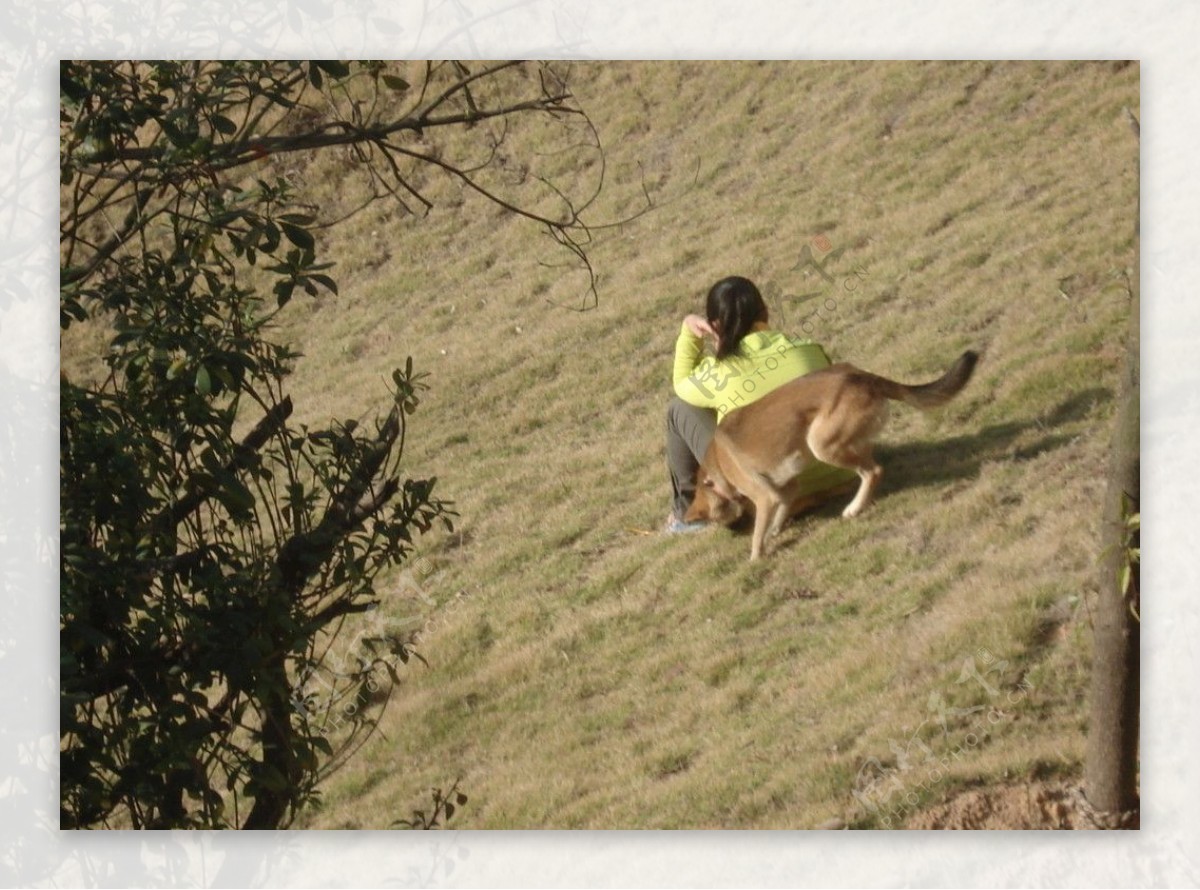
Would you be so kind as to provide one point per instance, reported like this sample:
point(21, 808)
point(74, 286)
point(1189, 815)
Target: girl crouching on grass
point(750, 361)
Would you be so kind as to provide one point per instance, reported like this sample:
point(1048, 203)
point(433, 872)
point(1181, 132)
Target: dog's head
point(715, 501)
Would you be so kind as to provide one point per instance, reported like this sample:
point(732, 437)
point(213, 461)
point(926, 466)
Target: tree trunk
point(271, 804)
point(1111, 773)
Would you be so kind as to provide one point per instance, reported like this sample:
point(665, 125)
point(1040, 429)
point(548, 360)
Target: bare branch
point(461, 85)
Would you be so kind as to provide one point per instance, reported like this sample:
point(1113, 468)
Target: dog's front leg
point(781, 515)
point(768, 514)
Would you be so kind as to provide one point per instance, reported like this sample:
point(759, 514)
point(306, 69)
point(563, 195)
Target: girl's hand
point(699, 326)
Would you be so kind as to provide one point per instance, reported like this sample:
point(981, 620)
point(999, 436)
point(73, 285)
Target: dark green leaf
point(302, 238)
point(334, 68)
point(176, 136)
point(209, 458)
point(69, 84)
point(322, 744)
point(283, 292)
point(269, 234)
point(325, 281)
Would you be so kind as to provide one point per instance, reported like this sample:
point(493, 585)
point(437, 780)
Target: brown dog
point(831, 415)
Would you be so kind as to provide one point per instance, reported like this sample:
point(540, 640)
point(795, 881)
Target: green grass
point(583, 674)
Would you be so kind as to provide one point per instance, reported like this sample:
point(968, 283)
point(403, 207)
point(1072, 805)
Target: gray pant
point(689, 430)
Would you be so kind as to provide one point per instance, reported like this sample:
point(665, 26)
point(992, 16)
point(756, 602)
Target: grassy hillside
point(587, 672)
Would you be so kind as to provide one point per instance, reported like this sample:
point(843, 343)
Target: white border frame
point(34, 35)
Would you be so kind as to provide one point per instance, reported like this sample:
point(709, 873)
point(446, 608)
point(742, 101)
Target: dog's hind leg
point(858, 457)
point(870, 473)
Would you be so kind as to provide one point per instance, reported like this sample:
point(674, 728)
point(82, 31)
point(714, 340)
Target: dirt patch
point(1033, 805)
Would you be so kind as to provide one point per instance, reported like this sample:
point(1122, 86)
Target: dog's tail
point(940, 391)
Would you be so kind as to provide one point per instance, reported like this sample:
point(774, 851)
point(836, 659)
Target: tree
point(212, 547)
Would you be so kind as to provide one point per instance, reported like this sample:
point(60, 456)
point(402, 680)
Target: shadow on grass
point(916, 464)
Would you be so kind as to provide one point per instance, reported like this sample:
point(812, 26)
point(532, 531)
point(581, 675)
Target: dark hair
point(736, 304)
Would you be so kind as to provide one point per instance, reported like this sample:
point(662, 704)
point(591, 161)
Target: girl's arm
point(692, 373)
